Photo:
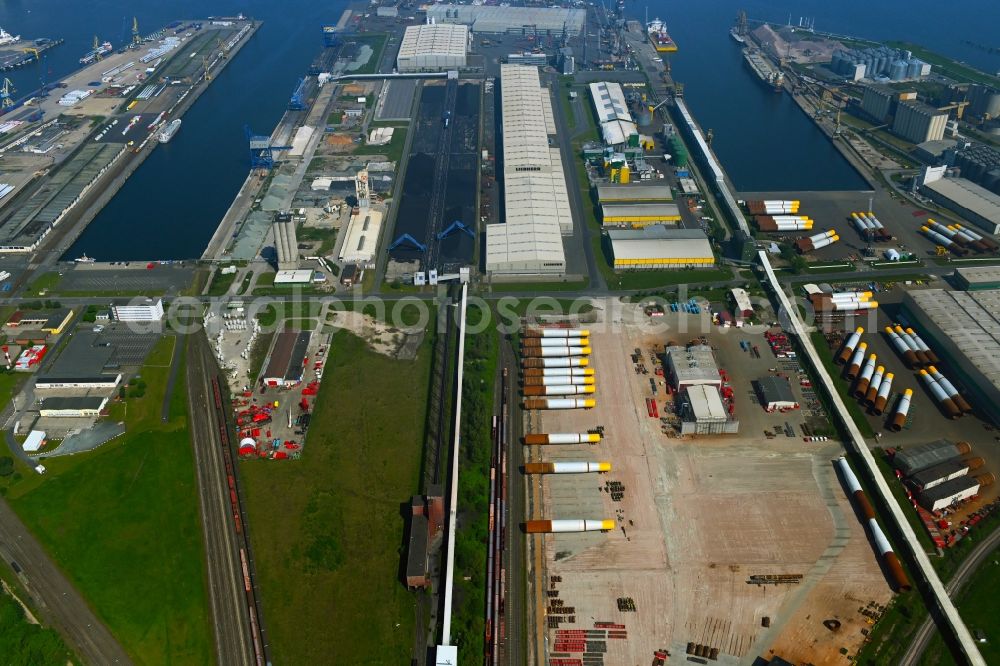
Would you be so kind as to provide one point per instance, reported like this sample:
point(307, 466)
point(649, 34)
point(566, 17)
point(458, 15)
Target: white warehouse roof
point(612, 112)
point(658, 242)
point(706, 403)
point(503, 19)
point(535, 197)
point(443, 45)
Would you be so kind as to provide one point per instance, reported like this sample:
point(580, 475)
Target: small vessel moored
point(168, 131)
point(84, 259)
point(95, 53)
point(6, 39)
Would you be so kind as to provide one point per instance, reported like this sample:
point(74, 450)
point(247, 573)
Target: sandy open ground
point(699, 517)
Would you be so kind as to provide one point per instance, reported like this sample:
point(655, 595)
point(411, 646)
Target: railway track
point(238, 638)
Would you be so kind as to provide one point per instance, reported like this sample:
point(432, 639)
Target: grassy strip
point(221, 282)
point(44, 284)
point(123, 523)
point(843, 387)
point(540, 286)
point(468, 618)
point(328, 529)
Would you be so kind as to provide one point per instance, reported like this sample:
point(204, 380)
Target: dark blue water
point(170, 207)
point(764, 141)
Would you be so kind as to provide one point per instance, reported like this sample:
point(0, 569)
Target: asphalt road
point(968, 567)
point(57, 600)
point(227, 596)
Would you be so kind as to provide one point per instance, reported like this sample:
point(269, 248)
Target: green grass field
point(977, 605)
point(327, 530)
point(123, 523)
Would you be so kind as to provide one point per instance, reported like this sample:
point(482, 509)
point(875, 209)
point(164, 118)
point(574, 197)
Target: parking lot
point(133, 277)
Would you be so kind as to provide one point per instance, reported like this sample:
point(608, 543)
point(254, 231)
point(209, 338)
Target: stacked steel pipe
point(873, 386)
point(931, 356)
point(843, 301)
point(898, 419)
point(897, 576)
point(816, 241)
point(563, 438)
point(950, 390)
point(868, 225)
point(855, 364)
point(948, 405)
point(941, 235)
point(909, 356)
point(878, 405)
point(991, 245)
point(559, 403)
point(865, 377)
point(554, 526)
point(849, 345)
point(784, 222)
point(566, 467)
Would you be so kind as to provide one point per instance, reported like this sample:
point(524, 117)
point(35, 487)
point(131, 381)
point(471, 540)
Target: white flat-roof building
point(703, 412)
point(362, 237)
point(433, 47)
point(149, 311)
point(298, 276)
point(536, 201)
point(617, 124)
point(34, 441)
point(692, 366)
point(519, 20)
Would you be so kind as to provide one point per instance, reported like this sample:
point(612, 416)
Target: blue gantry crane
point(406, 240)
point(454, 227)
point(261, 150)
point(329, 36)
point(298, 99)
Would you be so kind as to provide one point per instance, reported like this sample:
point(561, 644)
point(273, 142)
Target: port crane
point(261, 150)
point(97, 49)
point(136, 38)
point(5, 94)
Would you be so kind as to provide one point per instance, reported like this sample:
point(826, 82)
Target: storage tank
point(898, 71)
point(913, 69)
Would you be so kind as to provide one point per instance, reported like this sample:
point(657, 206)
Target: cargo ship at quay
point(766, 73)
point(659, 38)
